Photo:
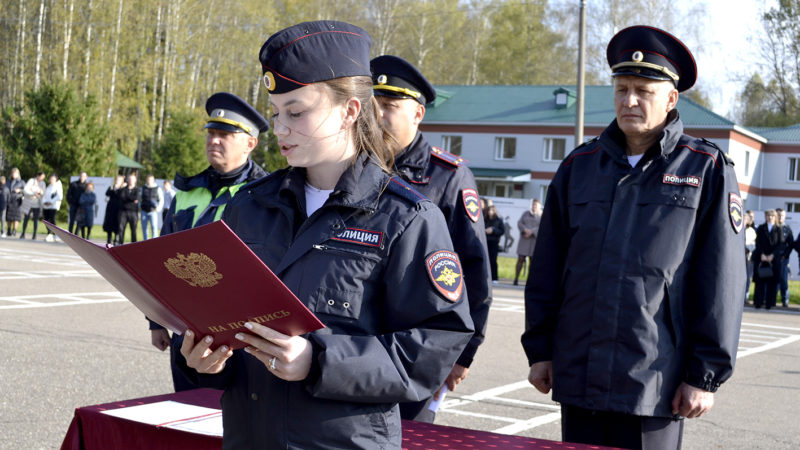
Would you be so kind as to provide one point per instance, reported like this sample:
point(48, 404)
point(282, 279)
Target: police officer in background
point(633, 316)
point(233, 127)
point(402, 93)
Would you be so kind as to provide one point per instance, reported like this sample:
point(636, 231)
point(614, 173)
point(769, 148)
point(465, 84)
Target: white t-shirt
point(634, 159)
point(315, 198)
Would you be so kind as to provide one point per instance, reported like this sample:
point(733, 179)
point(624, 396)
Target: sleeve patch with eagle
point(445, 273)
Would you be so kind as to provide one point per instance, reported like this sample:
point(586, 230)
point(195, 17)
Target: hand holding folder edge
point(204, 279)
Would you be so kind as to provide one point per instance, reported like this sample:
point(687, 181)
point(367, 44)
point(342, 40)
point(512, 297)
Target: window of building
point(543, 193)
point(505, 148)
point(554, 149)
point(452, 144)
point(793, 207)
point(794, 169)
point(746, 163)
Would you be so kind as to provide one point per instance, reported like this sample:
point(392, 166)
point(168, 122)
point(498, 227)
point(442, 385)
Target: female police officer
point(367, 254)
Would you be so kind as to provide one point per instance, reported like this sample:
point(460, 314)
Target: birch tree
point(67, 35)
point(39, 33)
point(114, 64)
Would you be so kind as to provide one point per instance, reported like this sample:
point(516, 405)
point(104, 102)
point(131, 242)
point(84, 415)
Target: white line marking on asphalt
point(41, 301)
point(494, 394)
point(48, 274)
point(769, 326)
point(779, 343)
point(43, 258)
point(528, 424)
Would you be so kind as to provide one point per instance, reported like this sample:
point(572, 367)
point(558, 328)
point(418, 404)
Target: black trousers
point(73, 211)
point(130, 218)
point(34, 212)
point(50, 216)
point(766, 293)
point(583, 426)
point(494, 248)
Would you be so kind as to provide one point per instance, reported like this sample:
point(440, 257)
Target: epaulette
point(589, 142)
point(402, 189)
point(725, 157)
point(707, 142)
point(444, 155)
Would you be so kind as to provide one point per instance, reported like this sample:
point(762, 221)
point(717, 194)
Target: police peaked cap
point(393, 76)
point(230, 113)
point(313, 51)
point(649, 52)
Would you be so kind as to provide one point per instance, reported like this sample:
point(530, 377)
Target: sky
point(731, 49)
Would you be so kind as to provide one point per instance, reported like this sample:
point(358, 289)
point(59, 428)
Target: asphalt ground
point(70, 340)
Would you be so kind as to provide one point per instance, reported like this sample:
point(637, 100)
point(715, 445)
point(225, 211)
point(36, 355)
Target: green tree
point(183, 148)
point(698, 96)
point(523, 49)
point(759, 105)
point(775, 101)
point(55, 130)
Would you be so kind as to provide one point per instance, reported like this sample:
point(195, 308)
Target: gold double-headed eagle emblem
point(448, 277)
point(197, 269)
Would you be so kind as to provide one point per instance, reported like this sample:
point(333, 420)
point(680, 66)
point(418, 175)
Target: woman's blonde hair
point(368, 134)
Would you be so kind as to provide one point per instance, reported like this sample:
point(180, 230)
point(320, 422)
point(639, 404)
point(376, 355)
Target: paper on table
point(171, 414)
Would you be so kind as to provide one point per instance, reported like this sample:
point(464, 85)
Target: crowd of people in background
point(23, 203)
point(768, 248)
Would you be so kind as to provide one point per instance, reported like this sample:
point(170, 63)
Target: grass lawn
point(506, 265)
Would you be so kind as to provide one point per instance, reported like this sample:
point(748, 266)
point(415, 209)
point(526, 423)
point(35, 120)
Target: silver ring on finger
point(272, 363)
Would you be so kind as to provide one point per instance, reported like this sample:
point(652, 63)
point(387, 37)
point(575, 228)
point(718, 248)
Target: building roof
point(789, 135)
point(536, 105)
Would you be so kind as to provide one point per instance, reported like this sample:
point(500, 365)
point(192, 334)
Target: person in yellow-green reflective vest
point(233, 127)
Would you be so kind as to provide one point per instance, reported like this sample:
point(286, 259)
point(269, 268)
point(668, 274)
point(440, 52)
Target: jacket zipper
point(326, 248)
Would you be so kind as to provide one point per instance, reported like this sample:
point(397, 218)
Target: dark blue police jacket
point(637, 274)
point(358, 263)
point(443, 178)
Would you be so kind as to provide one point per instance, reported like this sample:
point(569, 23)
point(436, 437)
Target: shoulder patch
point(444, 270)
point(472, 204)
point(401, 188)
point(444, 155)
point(736, 211)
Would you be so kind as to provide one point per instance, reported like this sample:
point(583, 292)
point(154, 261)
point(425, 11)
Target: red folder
point(204, 279)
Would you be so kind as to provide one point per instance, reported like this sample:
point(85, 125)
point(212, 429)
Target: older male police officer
point(402, 93)
point(634, 311)
point(233, 127)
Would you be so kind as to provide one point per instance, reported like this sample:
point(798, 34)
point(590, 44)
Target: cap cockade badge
point(382, 79)
point(269, 81)
point(197, 269)
point(637, 56)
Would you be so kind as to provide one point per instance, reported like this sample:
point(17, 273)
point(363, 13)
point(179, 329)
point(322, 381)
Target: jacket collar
point(213, 180)
point(666, 144)
point(416, 156)
point(359, 187)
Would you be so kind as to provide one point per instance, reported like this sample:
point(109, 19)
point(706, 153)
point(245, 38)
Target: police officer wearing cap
point(232, 131)
point(402, 93)
point(633, 316)
point(368, 254)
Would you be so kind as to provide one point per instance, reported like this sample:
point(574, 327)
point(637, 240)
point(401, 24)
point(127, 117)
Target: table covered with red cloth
point(91, 429)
